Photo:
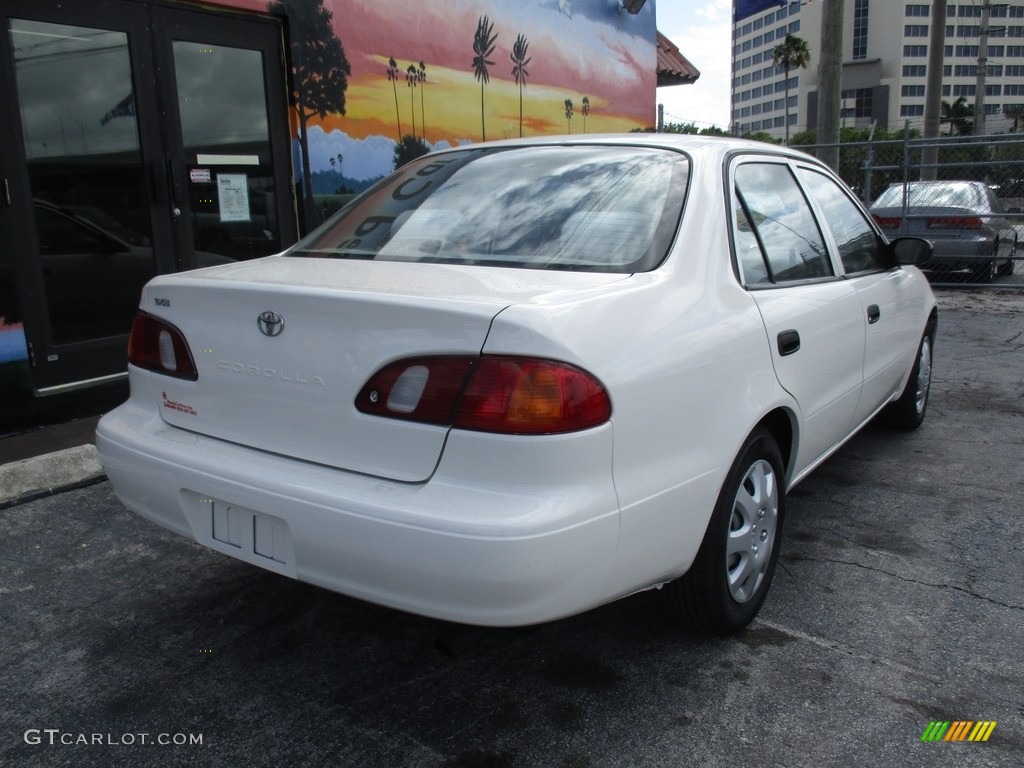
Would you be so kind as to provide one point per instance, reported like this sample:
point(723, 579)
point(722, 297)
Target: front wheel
point(729, 579)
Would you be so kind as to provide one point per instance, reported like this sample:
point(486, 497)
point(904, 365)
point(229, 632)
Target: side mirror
point(911, 250)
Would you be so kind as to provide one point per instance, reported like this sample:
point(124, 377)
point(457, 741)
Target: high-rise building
point(885, 63)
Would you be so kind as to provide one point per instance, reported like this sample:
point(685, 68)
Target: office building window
point(912, 91)
point(915, 51)
point(964, 90)
point(857, 102)
point(965, 30)
point(860, 30)
point(966, 50)
point(993, 90)
point(917, 10)
point(969, 11)
point(912, 110)
point(915, 30)
point(914, 70)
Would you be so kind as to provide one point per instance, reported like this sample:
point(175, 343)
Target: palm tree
point(393, 77)
point(568, 114)
point(792, 53)
point(411, 78)
point(959, 115)
point(520, 60)
point(421, 77)
point(483, 46)
point(586, 111)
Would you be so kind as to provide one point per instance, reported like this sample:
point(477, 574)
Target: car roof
point(705, 145)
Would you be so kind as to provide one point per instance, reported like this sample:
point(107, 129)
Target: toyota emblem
point(270, 323)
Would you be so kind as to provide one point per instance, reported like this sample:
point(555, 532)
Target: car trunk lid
point(286, 382)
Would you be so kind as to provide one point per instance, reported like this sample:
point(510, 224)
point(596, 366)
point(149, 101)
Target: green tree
point(585, 109)
point(791, 53)
point(568, 114)
point(483, 46)
point(959, 115)
point(320, 74)
point(393, 77)
point(408, 149)
point(520, 59)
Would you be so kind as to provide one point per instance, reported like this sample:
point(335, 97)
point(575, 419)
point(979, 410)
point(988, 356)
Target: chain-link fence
point(964, 193)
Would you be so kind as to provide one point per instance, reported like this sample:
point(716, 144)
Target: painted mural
point(379, 82)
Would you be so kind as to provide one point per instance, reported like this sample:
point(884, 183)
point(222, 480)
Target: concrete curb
point(28, 479)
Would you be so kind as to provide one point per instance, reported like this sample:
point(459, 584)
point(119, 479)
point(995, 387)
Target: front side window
point(860, 248)
point(788, 236)
point(583, 208)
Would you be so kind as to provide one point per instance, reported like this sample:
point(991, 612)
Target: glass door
point(145, 140)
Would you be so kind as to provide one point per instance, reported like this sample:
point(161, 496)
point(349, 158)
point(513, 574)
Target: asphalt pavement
point(897, 604)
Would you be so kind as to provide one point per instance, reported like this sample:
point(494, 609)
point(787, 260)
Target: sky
point(702, 30)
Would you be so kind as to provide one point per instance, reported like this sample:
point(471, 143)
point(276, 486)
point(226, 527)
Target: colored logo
point(958, 730)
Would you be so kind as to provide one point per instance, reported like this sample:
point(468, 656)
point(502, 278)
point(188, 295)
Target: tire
point(1006, 268)
point(729, 579)
point(908, 412)
point(984, 272)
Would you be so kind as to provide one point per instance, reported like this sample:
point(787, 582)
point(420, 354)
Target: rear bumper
point(451, 548)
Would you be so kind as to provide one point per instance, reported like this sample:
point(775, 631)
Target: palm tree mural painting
point(791, 53)
point(421, 77)
point(568, 114)
point(412, 78)
point(483, 46)
point(393, 77)
point(586, 111)
point(519, 72)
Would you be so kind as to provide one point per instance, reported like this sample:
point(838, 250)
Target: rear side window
point(591, 208)
point(860, 249)
point(785, 229)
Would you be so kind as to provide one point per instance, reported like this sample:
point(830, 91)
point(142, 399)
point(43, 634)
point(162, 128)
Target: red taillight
point(510, 395)
point(158, 346)
point(955, 222)
point(422, 389)
point(888, 222)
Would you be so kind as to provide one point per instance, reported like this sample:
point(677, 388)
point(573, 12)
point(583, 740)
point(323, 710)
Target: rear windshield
point(956, 195)
point(593, 208)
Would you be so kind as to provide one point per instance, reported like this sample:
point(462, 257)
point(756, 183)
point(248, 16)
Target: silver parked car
point(963, 221)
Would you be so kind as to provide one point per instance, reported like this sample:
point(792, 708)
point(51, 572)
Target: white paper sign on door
point(233, 195)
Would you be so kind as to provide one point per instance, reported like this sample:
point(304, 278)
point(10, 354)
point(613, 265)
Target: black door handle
point(874, 313)
point(789, 342)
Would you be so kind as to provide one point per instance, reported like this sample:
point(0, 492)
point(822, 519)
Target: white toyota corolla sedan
point(515, 381)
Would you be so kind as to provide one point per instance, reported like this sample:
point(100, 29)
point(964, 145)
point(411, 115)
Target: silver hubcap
point(924, 376)
point(755, 514)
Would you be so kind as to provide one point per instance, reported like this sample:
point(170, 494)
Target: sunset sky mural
point(575, 49)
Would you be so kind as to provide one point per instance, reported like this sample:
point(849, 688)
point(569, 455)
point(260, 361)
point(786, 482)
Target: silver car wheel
point(924, 375)
point(752, 531)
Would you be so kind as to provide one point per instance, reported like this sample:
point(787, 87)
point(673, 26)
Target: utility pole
point(830, 79)
point(933, 89)
point(979, 87)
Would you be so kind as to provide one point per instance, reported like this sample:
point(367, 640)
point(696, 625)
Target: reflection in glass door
point(225, 135)
point(89, 202)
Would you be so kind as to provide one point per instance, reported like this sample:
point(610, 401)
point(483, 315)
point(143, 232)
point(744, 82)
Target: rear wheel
point(730, 577)
point(984, 272)
point(907, 413)
point(1006, 268)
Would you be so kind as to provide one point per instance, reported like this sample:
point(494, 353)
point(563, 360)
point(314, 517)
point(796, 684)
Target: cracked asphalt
point(898, 602)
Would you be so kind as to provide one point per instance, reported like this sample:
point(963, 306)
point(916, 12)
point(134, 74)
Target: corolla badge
point(270, 323)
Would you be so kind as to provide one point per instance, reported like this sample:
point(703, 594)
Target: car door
point(812, 316)
point(885, 291)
